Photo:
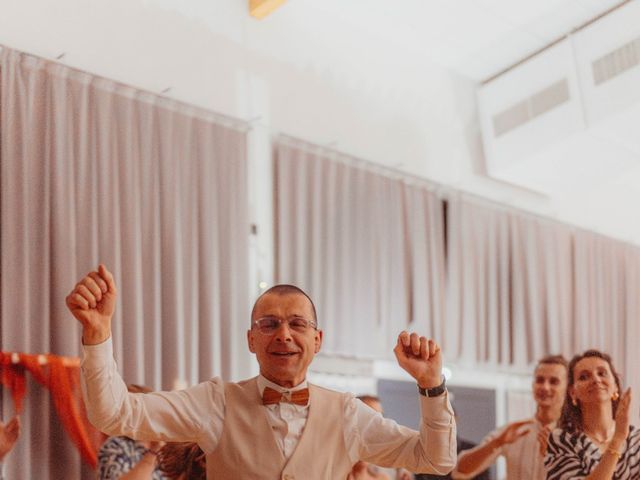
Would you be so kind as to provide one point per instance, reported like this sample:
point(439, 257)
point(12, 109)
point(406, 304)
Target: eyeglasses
point(270, 325)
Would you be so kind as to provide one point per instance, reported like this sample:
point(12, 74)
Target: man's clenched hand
point(92, 302)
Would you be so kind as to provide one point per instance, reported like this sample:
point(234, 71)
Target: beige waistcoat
point(248, 448)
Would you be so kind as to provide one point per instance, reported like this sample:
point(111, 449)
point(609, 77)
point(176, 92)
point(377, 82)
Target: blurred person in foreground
point(9, 434)
point(594, 440)
point(182, 461)
point(522, 443)
point(275, 425)
point(122, 458)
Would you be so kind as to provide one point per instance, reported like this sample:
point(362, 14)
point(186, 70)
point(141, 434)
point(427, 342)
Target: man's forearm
point(102, 387)
point(438, 433)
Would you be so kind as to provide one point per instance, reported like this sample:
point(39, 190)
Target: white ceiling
point(591, 178)
point(592, 174)
point(584, 178)
point(477, 38)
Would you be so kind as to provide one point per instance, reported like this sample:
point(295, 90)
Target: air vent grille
point(616, 62)
point(526, 110)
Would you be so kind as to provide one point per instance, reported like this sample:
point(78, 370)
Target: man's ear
point(250, 341)
point(318, 342)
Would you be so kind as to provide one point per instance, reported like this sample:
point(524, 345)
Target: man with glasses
point(275, 425)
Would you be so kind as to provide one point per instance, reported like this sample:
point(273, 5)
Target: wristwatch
point(435, 391)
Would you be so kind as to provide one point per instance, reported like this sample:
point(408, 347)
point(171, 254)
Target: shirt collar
point(263, 382)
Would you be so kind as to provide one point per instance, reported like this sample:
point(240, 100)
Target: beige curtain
point(367, 245)
point(95, 171)
point(499, 289)
point(607, 303)
point(520, 287)
point(509, 285)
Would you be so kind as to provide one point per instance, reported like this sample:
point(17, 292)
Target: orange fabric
point(13, 377)
point(271, 396)
point(61, 375)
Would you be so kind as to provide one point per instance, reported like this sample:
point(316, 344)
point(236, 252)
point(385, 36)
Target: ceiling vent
point(530, 107)
point(578, 91)
point(540, 102)
point(617, 62)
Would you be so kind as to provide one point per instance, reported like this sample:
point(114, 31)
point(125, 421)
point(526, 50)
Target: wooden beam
point(261, 8)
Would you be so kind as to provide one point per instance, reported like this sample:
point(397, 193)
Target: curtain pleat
point(369, 248)
point(95, 171)
point(521, 287)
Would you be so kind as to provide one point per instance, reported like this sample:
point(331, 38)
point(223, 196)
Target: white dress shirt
point(197, 414)
point(287, 420)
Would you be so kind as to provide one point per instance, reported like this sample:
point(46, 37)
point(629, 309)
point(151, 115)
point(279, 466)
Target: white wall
point(334, 84)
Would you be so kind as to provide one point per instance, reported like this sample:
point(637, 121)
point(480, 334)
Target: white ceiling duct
point(551, 114)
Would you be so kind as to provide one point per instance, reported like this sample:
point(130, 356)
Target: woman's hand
point(622, 421)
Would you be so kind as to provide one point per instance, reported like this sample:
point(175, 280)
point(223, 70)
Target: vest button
point(288, 477)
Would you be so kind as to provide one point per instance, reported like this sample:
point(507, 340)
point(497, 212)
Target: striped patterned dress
point(572, 456)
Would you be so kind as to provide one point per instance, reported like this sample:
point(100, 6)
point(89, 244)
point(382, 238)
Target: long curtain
point(367, 246)
point(520, 287)
point(93, 171)
point(509, 285)
point(498, 287)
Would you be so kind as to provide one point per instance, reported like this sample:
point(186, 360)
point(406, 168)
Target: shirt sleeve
point(372, 438)
point(564, 457)
point(486, 463)
point(192, 415)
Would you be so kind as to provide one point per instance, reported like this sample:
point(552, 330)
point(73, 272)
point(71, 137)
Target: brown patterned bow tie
point(271, 397)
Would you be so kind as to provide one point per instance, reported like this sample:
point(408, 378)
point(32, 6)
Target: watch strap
point(435, 391)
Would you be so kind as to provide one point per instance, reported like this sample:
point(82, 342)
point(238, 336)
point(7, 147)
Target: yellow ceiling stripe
point(261, 8)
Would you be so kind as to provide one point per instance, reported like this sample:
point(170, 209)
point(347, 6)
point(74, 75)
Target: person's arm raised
point(421, 358)
point(92, 302)
point(473, 461)
point(175, 416)
point(609, 460)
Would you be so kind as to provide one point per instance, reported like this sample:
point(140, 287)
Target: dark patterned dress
point(118, 455)
point(572, 456)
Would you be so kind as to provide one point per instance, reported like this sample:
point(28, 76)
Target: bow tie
point(271, 396)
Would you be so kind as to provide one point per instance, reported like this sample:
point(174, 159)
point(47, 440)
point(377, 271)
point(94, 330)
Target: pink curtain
point(498, 287)
point(367, 245)
point(521, 287)
point(91, 171)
